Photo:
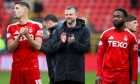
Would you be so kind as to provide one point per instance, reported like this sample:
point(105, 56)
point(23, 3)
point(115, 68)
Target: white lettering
point(117, 44)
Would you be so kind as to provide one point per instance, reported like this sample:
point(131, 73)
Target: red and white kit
point(115, 47)
point(25, 58)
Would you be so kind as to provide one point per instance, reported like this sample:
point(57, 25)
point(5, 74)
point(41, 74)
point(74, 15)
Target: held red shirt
point(115, 47)
point(25, 57)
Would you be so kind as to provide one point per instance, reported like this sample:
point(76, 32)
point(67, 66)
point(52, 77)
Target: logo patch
point(8, 35)
point(111, 37)
point(100, 43)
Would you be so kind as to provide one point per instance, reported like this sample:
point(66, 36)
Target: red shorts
point(25, 77)
point(120, 77)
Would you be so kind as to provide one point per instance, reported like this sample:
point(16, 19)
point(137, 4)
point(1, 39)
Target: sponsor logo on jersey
point(16, 32)
point(117, 44)
point(111, 37)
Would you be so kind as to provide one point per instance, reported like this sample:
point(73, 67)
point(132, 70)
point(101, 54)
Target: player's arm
point(134, 55)
point(35, 43)
point(12, 43)
point(100, 55)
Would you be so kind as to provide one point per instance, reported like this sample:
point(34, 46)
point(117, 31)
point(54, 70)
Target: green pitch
point(90, 77)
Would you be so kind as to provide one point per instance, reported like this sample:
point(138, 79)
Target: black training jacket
point(70, 61)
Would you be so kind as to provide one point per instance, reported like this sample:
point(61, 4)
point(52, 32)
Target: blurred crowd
point(37, 8)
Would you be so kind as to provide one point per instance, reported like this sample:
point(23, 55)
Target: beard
point(70, 21)
point(15, 17)
point(118, 24)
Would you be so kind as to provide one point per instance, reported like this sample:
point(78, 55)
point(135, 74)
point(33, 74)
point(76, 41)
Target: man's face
point(70, 16)
point(118, 19)
point(18, 11)
point(132, 25)
point(46, 24)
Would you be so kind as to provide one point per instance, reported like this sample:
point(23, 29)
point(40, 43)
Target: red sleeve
point(100, 55)
point(39, 31)
point(9, 33)
point(134, 56)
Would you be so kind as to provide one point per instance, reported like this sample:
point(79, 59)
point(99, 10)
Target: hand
point(22, 31)
point(133, 82)
point(98, 80)
point(71, 39)
point(63, 37)
point(26, 31)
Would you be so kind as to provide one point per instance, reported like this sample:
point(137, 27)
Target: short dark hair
point(51, 17)
point(24, 4)
point(72, 7)
point(123, 11)
point(130, 17)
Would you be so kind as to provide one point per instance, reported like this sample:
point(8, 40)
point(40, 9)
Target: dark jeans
point(68, 82)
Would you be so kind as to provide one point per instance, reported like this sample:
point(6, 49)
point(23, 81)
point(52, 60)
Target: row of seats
point(98, 12)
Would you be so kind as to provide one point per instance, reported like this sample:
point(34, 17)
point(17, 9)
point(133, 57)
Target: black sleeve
point(47, 47)
point(57, 45)
point(84, 46)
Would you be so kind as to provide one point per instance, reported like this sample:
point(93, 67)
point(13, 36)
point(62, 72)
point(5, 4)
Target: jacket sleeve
point(84, 46)
point(46, 47)
point(57, 45)
point(100, 55)
point(134, 55)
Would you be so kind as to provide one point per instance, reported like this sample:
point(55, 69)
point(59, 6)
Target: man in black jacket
point(50, 23)
point(71, 42)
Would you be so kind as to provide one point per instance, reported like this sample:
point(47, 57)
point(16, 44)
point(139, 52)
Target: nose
point(115, 19)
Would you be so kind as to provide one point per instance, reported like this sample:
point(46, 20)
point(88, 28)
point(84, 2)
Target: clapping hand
point(71, 39)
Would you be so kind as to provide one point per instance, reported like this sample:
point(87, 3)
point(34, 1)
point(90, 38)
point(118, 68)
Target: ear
point(126, 24)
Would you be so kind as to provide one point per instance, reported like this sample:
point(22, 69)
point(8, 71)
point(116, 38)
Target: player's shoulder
point(12, 25)
point(130, 33)
point(35, 23)
point(108, 30)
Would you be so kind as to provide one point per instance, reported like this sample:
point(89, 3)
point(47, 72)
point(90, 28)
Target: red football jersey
point(25, 57)
point(114, 50)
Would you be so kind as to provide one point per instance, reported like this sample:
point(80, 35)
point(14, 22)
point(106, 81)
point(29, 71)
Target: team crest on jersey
point(125, 38)
point(30, 29)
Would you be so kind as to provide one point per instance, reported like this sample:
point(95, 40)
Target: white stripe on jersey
point(34, 22)
point(131, 34)
point(107, 30)
point(11, 25)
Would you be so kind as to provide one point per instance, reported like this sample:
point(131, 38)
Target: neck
point(120, 29)
point(23, 20)
point(71, 25)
